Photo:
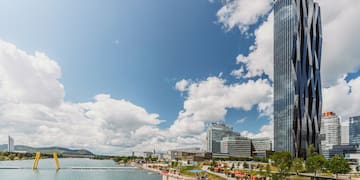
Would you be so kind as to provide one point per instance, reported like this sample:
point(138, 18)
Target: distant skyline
point(126, 76)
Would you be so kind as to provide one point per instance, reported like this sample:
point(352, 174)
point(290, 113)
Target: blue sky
point(112, 71)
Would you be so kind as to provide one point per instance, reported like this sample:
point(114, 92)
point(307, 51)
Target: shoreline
point(165, 176)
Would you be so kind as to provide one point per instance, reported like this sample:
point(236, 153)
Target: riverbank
point(166, 176)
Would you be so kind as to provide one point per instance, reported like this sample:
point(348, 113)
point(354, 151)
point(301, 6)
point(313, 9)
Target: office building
point(236, 146)
point(345, 133)
point(215, 133)
point(297, 83)
point(330, 132)
point(341, 150)
point(354, 130)
point(188, 154)
point(261, 147)
point(11, 147)
point(261, 144)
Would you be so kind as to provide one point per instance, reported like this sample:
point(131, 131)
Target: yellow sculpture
point(36, 162)
point(56, 161)
point(37, 159)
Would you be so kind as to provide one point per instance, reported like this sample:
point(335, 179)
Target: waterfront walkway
point(165, 176)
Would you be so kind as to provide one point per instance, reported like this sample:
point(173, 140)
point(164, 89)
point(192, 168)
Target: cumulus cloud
point(260, 59)
point(28, 78)
point(242, 13)
point(340, 44)
point(182, 85)
point(209, 100)
point(265, 131)
point(343, 98)
point(33, 110)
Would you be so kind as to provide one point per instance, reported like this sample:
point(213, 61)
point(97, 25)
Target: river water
point(46, 171)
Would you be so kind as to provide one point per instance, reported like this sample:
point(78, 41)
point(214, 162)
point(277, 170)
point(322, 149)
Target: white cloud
point(343, 98)
point(238, 73)
point(260, 59)
point(241, 121)
point(209, 100)
point(242, 13)
point(182, 85)
point(33, 111)
point(265, 131)
point(341, 39)
point(28, 78)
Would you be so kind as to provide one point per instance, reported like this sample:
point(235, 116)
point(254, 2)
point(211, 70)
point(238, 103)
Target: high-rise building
point(354, 130)
point(215, 133)
point(297, 83)
point(330, 134)
point(345, 133)
point(261, 144)
point(330, 129)
point(236, 146)
point(11, 147)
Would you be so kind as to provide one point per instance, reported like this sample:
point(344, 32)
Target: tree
point(315, 163)
point(212, 163)
point(245, 165)
point(312, 150)
point(298, 165)
point(282, 160)
point(338, 165)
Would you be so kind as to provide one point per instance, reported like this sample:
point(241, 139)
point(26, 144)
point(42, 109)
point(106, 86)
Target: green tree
point(11, 156)
point(338, 165)
point(315, 163)
point(212, 163)
point(298, 165)
point(282, 160)
point(311, 150)
point(245, 165)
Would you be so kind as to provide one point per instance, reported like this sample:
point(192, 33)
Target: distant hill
point(50, 150)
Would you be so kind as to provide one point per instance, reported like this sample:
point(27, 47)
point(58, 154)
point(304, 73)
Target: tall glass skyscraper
point(297, 84)
point(354, 130)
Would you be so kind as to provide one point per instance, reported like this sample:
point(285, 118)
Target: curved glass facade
point(297, 84)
